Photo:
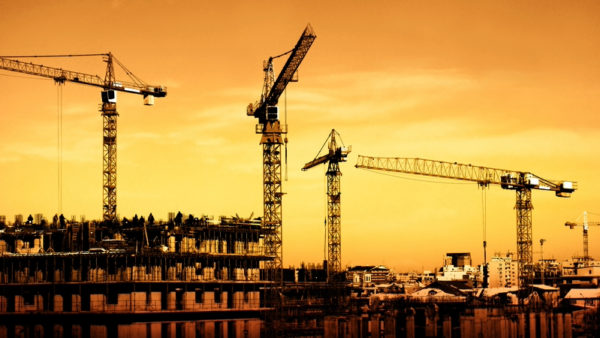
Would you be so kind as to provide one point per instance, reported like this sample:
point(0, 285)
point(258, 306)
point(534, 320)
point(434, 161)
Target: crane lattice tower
point(272, 131)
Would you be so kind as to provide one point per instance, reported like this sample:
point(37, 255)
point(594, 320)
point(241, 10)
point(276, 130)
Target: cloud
point(367, 96)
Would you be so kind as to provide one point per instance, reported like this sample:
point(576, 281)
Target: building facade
point(503, 272)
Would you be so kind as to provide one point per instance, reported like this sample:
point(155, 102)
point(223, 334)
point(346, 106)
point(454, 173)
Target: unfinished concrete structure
point(53, 273)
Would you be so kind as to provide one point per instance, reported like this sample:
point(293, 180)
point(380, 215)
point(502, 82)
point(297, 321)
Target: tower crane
point(110, 86)
point(335, 155)
point(521, 182)
point(585, 226)
point(269, 126)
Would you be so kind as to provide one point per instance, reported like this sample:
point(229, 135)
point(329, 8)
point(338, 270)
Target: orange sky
point(508, 85)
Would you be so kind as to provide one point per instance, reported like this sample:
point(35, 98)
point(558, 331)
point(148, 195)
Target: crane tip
point(309, 30)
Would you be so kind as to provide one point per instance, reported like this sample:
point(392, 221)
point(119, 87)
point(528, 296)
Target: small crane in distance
point(333, 157)
point(586, 225)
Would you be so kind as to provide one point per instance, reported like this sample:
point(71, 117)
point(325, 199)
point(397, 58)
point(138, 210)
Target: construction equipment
point(586, 225)
point(521, 182)
point(110, 86)
point(335, 155)
point(269, 126)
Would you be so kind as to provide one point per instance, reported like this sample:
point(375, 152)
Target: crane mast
point(269, 126)
point(335, 155)
point(521, 182)
point(586, 225)
point(108, 110)
point(109, 147)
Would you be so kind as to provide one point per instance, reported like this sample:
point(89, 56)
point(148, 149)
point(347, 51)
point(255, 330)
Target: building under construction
point(61, 272)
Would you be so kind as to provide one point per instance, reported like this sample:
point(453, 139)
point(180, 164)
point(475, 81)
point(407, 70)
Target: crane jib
point(291, 65)
point(507, 179)
point(285, 76)
point(61, 75)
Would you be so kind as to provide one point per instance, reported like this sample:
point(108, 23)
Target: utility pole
point(542, 261)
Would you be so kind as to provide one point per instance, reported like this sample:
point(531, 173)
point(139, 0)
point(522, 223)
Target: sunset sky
point(504, 84)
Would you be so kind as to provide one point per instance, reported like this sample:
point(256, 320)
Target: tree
point(178, 218)
point(150, 219)
point(190, 220)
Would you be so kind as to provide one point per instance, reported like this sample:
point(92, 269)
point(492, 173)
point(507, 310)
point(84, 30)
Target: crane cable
point(484, 221)
point(282, 54)
point(285, 138)
point(325, 241)
point(26, 77)
point(132, 76)
point(53, 55)
point(59, 143)
point(412, 179)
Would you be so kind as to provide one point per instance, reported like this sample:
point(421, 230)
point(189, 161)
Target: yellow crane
point(269, 126)
point(333, 157)
point(110, 86)
point(521, 182)
point(586, 225)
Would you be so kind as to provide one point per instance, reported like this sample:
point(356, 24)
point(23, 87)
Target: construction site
point(199, 275)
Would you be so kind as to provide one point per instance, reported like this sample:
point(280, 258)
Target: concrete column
point(431, 316)
point(375, 326)
point(513, 328)
point(543, 324)
point(447, 327)
point(532, 325)
point(466, 326)
point(153, 329)
point(559, 325)
point(330, 328)
point(504, 327)
point(478, 322)
point(354, 330)
point(209, 329)
point(38, 331)
point(189, 330)
point(389, 326)
point(493, 327)
point(364, 326)
point(342, 327)
point(76, 331)
point(521, 328)
point(410, 323)
point(568, 325)
point(550, 324)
